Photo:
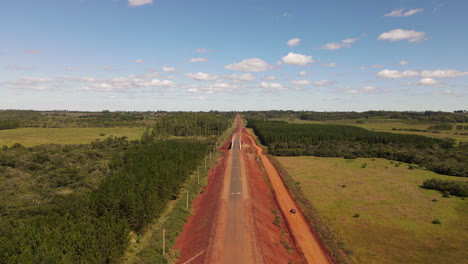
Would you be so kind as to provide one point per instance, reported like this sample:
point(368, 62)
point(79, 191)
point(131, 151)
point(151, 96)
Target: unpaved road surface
point(239, 229)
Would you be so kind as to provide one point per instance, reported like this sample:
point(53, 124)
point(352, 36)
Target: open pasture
point(378, 211)
point(36, 136)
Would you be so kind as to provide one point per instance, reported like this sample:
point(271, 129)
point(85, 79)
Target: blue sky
point(139, 55)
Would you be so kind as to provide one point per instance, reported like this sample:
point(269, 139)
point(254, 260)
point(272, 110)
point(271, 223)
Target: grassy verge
point(378, 211)
point(320, 226)
point(37, 136)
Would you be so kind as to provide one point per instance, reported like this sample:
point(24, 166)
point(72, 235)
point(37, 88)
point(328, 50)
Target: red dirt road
point(243, 214)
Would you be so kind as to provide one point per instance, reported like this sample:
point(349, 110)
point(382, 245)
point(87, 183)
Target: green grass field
point(387, 125)
point(37, 136)
point(380, 213)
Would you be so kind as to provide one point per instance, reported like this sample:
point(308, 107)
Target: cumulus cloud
point(402, 34)
point(294, 42)
point(213, 88)
point(377, 65)
point(168, 69)
point(270, 78)
point(120, 84)
point(297, 59)
point(428, 82)
point(241, 77)
point(139, 2)
point(400, 12)
point(250, 65)
point(273, 86)
point(198, 60)
point(302, 73)
point(139, 61)
point(403, 62)
point(362, 68)
point(316, 83)
point(200, 76)
point(69, 68)
point(330, 65)
point(393, 74)
point(369, 89)
point(335, 45)
point(442, 74)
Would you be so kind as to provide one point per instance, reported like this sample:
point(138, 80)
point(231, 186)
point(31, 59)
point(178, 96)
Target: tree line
point(447, 187)
point(9, 124)
point(439, 155)
point(189, 124)
point(94, 227)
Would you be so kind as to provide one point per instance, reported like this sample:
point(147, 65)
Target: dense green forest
point(189, 124)
point(93, 227)
point(439, 155)
point(9, 124)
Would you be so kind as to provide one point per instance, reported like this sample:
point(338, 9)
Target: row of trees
point(447, 187)
point(439, 155)
point(94, 227)
point(190, 124)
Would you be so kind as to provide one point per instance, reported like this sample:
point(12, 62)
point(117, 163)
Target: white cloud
point(139, 2)
point(349, 40)
point(401, 34)
point(323, 83)
point(400, 12)
point(250, 65)
point(69, 68)
point(344, 43)
point(200, 76)
point(428, 82)
point(273, 86)
point(316, 83)
point(198, 97)
point(377, 65)
point(362, 68)
point(294, 42)
point(442, 74)
point(333, 46)
point(297, 59)
point(368, 89)
point(403, 62)
point(213, 88)
point(330, 65)
point(301, 82)
point(363, 90)
point(168, 69)
point(393, 74)
point(241, 77)
point(139, 61)
point(198, 60)
point(302, 73)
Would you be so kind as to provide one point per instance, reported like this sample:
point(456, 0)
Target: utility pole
point(205, 163)
point(164, 241)
point(187, 200)
point(198, 176)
